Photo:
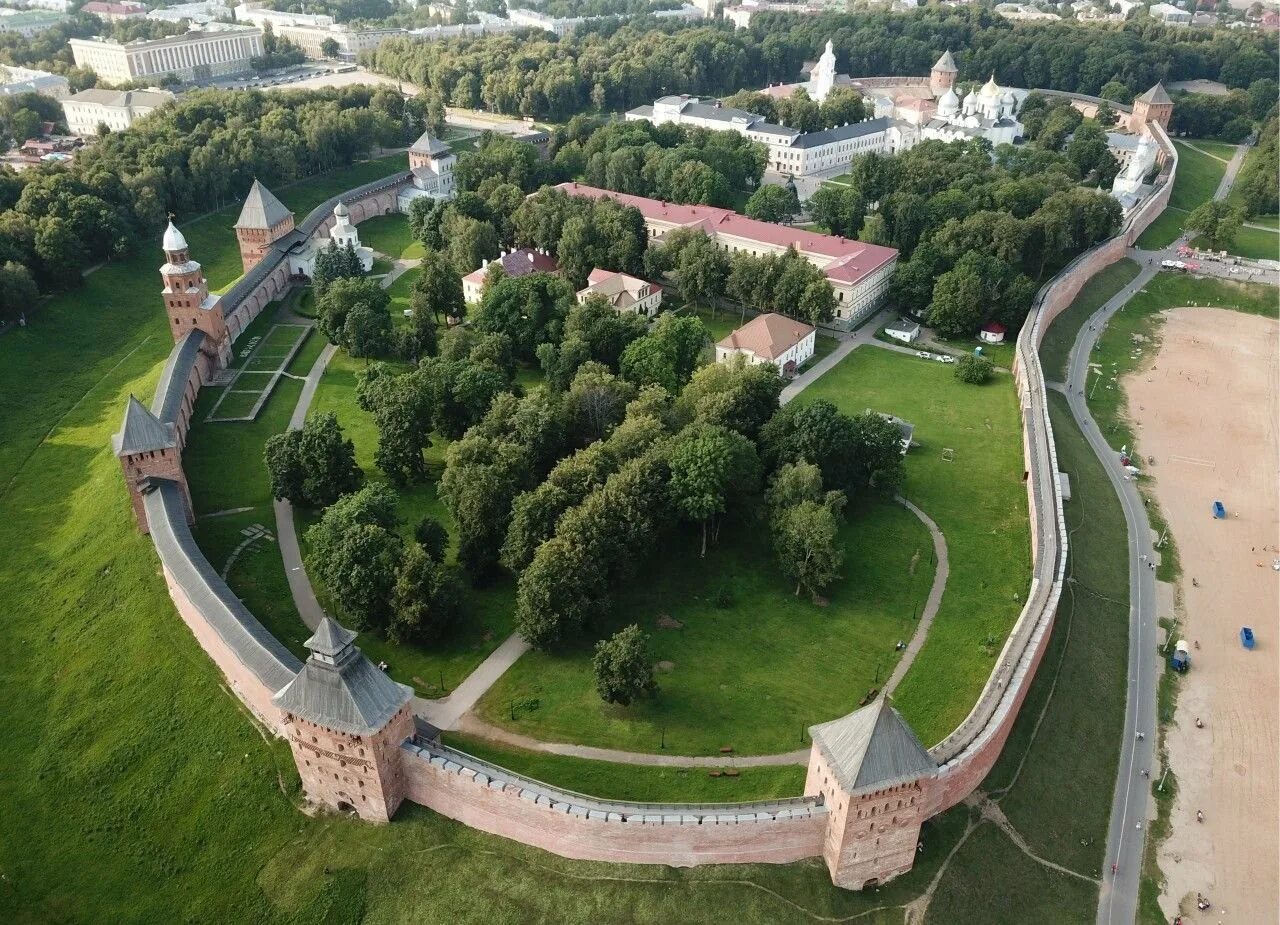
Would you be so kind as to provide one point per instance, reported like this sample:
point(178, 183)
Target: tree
point(437, 292)
point(737, 395)
point(974, 369)
point(335, 262)
point(838, 207)
point(355, 554)
point(623, 666)
point(710, 466)
point(648, 361)
point(470, 242)
point(701, 270)
point(807, 543)
point(329, 48)
point(817, 433)
point(558, 592)
point(367, 331)
point(772, 203)
point(343, 296)
point(843, 106)
point(1217, 220)
point(18, 291)
point(432, 537)
point(529, 309)
point(957, 304)
point(403, 409)
point(596, 402)
point(880, 457)
point(482, 477)
point(685, 336)
point(313, 466)
point(425, 600)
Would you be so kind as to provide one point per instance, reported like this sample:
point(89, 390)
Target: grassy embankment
point(977, 499)
point(127, 760)
point(1198, 177)
point(1055, 347)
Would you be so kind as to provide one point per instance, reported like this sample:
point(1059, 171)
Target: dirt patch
point(668, 622)
point(1207, 411)
point(665, 667)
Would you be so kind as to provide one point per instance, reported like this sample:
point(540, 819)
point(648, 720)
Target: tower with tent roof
point(942, 77)
point(148, 449)
point(1153, 106)
point(873, 776)
point(263, 220)
point(346, 721)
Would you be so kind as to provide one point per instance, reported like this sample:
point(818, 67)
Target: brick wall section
point(510, 811)
point(163, 464)
point(365, 773)
point(244, 683)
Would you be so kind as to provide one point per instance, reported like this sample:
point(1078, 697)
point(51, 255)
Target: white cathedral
point(989, 113)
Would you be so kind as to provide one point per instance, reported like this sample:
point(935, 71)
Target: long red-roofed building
point(859, 273)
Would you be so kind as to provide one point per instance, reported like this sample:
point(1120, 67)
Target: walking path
point(931, 605)
point(453, 711)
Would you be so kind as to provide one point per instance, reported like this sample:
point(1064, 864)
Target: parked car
point(924, 354)
point(945, 358)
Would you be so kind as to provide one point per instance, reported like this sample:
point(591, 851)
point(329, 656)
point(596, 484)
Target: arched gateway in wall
point(870, 782)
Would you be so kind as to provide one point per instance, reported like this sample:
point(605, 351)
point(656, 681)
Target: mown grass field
point(390, 235)
point(1055, 347)
point(977, 499)
point(635, 782)
point(1255, 243)
point(753, 675)
point(1197, 180)
point(135, 786)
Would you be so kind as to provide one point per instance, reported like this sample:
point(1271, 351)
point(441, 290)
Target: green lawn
point(487, 611)
point(1061, 802)
point(989, 880)
point(1218, 149)
point(390, 235)
point(752, 676)
point(1196, 182)
point(978, 500)
point(1101, 287)
point(1117, 356)
point(635, 782)
point(1250, 242)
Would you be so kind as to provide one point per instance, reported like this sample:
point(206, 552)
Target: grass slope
point(390, 235)
point(1198, 177)
point(979, 502)
point(1061, 802)
point(641, 783)
point(753, 675)
point(1255, 243)
point(1056, 345)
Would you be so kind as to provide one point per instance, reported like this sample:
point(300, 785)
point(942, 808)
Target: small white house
point(771, 338)
point(624, 292)
point(992, 333)
point(906, 331)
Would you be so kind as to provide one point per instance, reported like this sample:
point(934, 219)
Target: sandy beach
point(1207, 412)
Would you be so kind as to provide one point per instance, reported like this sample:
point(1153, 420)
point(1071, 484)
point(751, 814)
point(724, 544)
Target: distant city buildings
point(29, 22)
point(1169, 14)
point(197, 14)
point(15, 80)
point(114, 12)
point(116, 109)
point(192, 56)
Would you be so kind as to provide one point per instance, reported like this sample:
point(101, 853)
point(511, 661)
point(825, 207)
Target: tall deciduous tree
point(623, 666)
point(314, 465)
point(425, 600)
point(711, 466)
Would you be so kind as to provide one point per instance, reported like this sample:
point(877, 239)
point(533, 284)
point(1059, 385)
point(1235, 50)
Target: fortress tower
point(1153, 106)
point(263, 221)
point(874, 777)
point(148, 449)
point(943, 75)
point(187, 301)
point(346, 721)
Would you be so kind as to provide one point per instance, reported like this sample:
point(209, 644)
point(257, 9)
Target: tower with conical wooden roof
point(346, 721)
point(942, 77)
point(263, 220)
point(148, 449)
point(872, 774)
point(1153, 106)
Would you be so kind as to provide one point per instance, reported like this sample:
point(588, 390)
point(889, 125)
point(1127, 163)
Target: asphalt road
point(1118, 902)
